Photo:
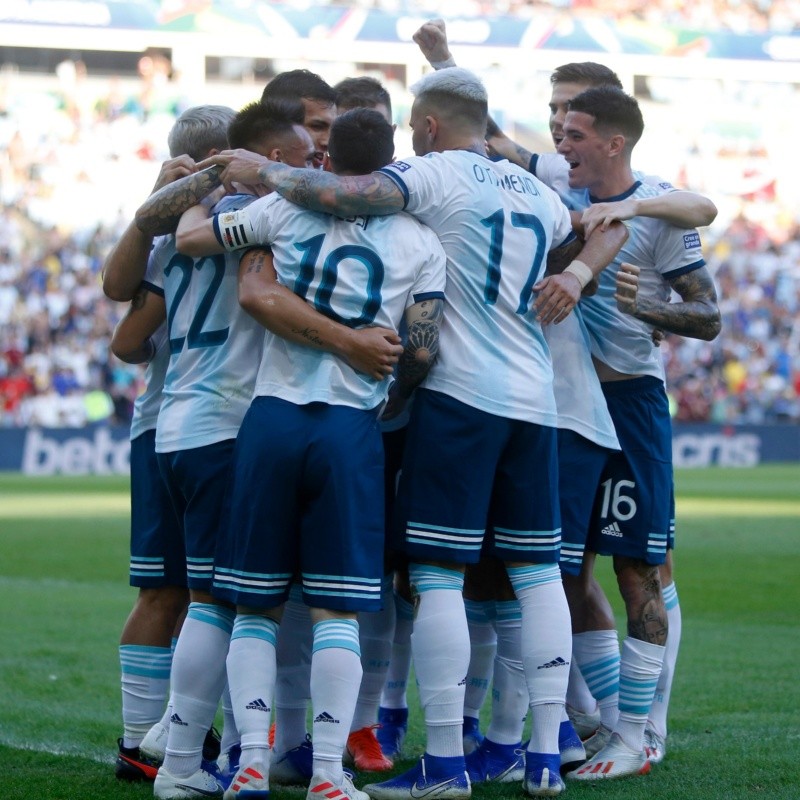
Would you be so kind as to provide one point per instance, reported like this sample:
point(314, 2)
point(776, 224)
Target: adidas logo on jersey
point(612, 530)
point(176, 720)
point(326, 717)
point(258, 705)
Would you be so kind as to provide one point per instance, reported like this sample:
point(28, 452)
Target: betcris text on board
point(75, 452)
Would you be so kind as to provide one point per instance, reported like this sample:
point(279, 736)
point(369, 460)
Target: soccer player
point(208, 387)
point(363, 92)
point(493, 377)
point(158, 561)
point(318, 99)
point(311, 436)
point(634, 524)
point(595, 645)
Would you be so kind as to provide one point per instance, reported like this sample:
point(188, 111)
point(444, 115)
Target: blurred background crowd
point(68, 186)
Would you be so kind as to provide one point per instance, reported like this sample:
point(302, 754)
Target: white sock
point(376, 631)
point(440, 645)
point(292, 692)
point(483, 646)
point(335, 678)
point(145, 685)
point(578, 695)
point(658, 712)
point(230, 733)
point(509, 690)
point(198, 677)
point(251, 668)
point(597, 655)
point(546, 649)
point(396, 683)
point(640, 666)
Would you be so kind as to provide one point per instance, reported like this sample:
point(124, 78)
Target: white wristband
point(451, 62)
point(581, 272)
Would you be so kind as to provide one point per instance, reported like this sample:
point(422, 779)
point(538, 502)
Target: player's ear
point(616, 144)
point(432, 126)
point(275, 154)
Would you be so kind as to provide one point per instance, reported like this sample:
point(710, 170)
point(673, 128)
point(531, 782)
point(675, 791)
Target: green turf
point(733, 734)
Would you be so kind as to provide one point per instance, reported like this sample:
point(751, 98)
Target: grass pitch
point(733, 728)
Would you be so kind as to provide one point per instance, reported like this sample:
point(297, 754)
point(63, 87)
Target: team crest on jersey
point(401, 166)
point(665, 185)
point(691, 240)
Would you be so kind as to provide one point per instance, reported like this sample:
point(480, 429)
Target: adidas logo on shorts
point(612, 530)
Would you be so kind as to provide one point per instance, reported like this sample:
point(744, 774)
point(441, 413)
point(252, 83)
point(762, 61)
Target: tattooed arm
point(423, 321)
point(373, 351)
point(132, 340)
point(161, 212)
point(696, 316)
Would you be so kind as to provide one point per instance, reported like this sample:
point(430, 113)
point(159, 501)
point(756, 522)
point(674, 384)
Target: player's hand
point(556, 296)
point(374, 351)
point(173, 169)
point(431, 39)
point(603, 214)
point(627, 288)
point(239, 170)
point(658, 336)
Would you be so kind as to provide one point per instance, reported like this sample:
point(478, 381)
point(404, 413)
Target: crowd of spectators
point(738, 16)
point(67, 190)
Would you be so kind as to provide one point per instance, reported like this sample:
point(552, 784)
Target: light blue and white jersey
point(663, 252)
point(579, 397)
point(362, 271)
point(215, 347)
point(497, 224)
point(148, 403)
point(553, 169)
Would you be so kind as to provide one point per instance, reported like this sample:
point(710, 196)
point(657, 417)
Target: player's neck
point(613, 184)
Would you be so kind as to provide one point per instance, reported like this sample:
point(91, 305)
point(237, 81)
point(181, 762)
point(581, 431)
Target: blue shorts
point(580, 466)
point(634, 506)
point(307, 496)
point(198, 485)
point(158, 557)
point(466, 472)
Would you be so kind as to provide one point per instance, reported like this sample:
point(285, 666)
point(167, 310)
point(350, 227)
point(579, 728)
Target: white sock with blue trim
point(597, 655)
point(396, 683)
point(483, 646)
point(376, 632)
point(335, 680)
point(658, 712)
point(251, 667)
point(509, 691)
point(640, 666)
point(198, 677)
point(145, 685)
point(440, 645)
point(546, 649)
point(292, 692)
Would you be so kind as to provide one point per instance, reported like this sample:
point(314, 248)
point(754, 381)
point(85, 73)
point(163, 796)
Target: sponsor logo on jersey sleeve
point(691, 240)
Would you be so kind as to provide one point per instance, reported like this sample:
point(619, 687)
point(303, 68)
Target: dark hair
point(298, 84)
point(362, 92)
point(361, 141)
point(613, 111)
point(589, 72)
point(258, 122)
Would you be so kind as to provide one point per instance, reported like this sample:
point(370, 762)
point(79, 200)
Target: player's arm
point(682, 209)
point(423, 321)
point(375, 194)
point(195, 234)
point(125, 265)
point(132, 340)
point(373, 351)
point(696, 316)
point(571, 270)
point(431, 38)
point(162, 211)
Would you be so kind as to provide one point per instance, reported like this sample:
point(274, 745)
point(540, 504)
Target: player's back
point(497, 224)
point(215, 349)
point(362, 271)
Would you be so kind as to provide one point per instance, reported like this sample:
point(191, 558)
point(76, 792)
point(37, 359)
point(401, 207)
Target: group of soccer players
point(537, 436)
